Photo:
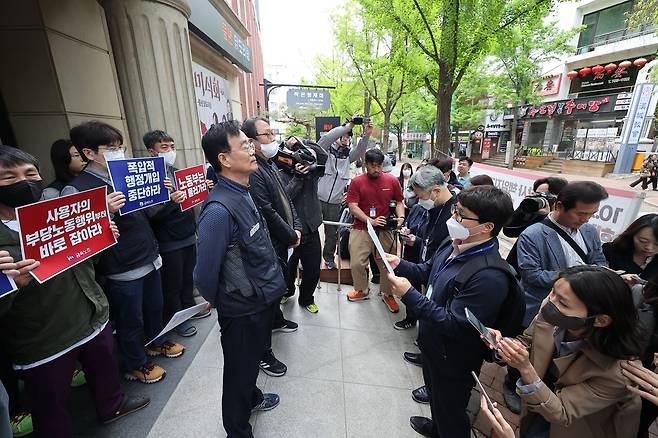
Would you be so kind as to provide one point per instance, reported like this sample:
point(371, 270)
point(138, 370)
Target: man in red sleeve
point(371, 198)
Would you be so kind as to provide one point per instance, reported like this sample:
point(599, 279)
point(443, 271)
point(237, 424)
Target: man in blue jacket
point(450, 346)
point(238, 272)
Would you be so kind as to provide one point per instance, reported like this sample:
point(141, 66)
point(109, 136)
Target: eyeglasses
point(268, 133)
point(249, 147)
point(458, 215)
point(114, 148)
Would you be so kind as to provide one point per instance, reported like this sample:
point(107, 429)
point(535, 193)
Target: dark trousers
point(243, 340)
point(48, 385)
point(309, 252)
point(449, 393)
point(9, 379)
point(177, 282)
point(137, 306)
point(645, 182)
point(511, 378)
point(648, 415)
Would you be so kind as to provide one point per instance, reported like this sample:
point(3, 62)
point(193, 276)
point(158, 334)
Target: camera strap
point(567, 238)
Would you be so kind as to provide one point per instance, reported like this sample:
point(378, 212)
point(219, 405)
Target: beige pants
point(361, 247)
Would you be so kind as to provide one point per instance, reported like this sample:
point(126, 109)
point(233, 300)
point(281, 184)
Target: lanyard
point(428, 231)
point(466, 255)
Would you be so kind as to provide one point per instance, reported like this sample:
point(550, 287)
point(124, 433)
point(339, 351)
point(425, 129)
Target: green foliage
point(295, 130)
point(471, 98)
point(645, 13)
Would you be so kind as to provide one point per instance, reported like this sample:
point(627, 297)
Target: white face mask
point(406, 172)
point(427, 204)
point(456, 230)
point(270, 149)
point(169, 157)
point(114, 155)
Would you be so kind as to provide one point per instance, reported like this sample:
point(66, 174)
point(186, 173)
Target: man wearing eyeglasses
point(238, 273)
point(450, 347)
point(268, 191)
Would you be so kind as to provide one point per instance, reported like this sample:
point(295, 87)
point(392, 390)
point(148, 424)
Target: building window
point(604, 26)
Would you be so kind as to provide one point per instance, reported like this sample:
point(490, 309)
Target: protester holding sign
point(48, 327)
point(176, 234)
point(130, 268)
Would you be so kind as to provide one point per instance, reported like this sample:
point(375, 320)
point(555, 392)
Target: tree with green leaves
point(451, 35)
point(470, 101)
point(645, 14)
point(521, 52)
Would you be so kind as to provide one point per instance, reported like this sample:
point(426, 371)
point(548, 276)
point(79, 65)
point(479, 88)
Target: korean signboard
point(141, 180)
point(192, 181)
point(620, 77)
point(548, 85)
point(299, 98)
point(614, 215)
point(213, 101)
point(586, 105)
point(324, 125)
point(62, 232)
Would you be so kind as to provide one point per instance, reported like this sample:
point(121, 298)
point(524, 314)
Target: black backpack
point(510, 319)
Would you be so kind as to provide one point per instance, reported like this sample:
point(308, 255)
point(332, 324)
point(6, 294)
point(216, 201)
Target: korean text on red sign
point(62, 232)
point(141, 180)
point(192, 181)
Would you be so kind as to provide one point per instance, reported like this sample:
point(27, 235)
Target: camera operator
point(337, 176)
point(375, 197)
point(302, 188)
point(267, 191)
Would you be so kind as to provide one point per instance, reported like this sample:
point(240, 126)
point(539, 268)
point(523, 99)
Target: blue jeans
point(137, 309)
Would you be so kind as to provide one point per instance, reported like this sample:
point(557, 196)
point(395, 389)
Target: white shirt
point(571, 256)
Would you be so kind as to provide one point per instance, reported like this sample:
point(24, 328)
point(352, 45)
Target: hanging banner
point(192, 181)
point(62, 232)
point(213, 101)
point(141, 180)
point(614, 215)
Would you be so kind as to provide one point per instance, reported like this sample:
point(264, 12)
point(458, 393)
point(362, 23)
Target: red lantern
point(611, 67)
point(639, 62)
point(572, 74)
point(585, 71)
point(598, 69)
point(625, 64)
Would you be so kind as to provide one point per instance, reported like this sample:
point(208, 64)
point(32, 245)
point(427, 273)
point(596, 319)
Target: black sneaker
point(423, 426)
point(287, 327)
point(405, 324)
point(270, 401)
point(414, 358)
point(420, 395)
point(331, 265)
point(512, 399)
point(272, 366)
point(128, 406)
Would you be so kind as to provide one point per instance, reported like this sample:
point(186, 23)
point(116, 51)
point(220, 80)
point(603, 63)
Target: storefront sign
point(192, 181)
point(324, 125)
point(486, 148)
point(213, 102)
point(614, 215)
point(141, 180)
point(299, 98)
point(62, 232)
point(548, 85)
point(586, 105)
point(619, 78)
point(632, 130)
point(208, 23)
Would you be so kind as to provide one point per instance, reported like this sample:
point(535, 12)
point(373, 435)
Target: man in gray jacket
point(331, 186)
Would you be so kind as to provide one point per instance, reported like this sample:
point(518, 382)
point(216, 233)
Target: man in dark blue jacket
point(450, 346)
point(238, 272)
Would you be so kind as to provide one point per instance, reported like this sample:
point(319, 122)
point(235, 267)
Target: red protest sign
point(192, 181)
point(62, 232)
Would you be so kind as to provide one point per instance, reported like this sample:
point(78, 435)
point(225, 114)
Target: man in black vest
point(237, 271)
point(268, 191)
point(129, 268)
point(176, 234)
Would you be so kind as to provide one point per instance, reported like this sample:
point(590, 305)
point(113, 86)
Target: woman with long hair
point(634, 251)
point(67, 164)
point(570, 359)
point(406, 170)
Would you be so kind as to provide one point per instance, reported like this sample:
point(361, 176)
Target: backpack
point(512, 311)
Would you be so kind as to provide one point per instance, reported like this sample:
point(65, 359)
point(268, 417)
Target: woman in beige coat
point(570, 359)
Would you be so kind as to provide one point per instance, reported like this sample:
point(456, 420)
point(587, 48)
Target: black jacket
point(303, 191)
point(268, 192)
point(620, 261)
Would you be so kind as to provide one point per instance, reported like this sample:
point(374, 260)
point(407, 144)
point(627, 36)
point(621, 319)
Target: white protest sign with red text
point(192, 181)
point(65, 231)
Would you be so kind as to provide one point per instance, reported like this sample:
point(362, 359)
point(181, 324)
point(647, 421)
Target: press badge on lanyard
point(373, 212)
point(424, 254)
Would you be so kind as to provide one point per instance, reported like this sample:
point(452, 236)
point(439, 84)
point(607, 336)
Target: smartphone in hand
point(484, 393)
point(480, 328)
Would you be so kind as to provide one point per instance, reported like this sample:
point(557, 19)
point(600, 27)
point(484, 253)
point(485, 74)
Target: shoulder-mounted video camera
point(286, 159)
point(536, 201)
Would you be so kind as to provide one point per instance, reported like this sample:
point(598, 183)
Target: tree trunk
point(442, 122)
point(385, 130)
point(455, 149)
point(511, 154)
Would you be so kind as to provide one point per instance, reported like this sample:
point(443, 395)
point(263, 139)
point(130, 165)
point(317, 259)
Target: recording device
point(536, 201)
point(392, 219)
point(286, 159)
point(486, 334)
point(359, 120)
point(484, 393)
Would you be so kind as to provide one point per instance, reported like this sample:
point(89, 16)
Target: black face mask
point(21, 193)
point(553, 316)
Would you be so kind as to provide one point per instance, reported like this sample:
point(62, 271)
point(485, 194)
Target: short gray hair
point(426, 178)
